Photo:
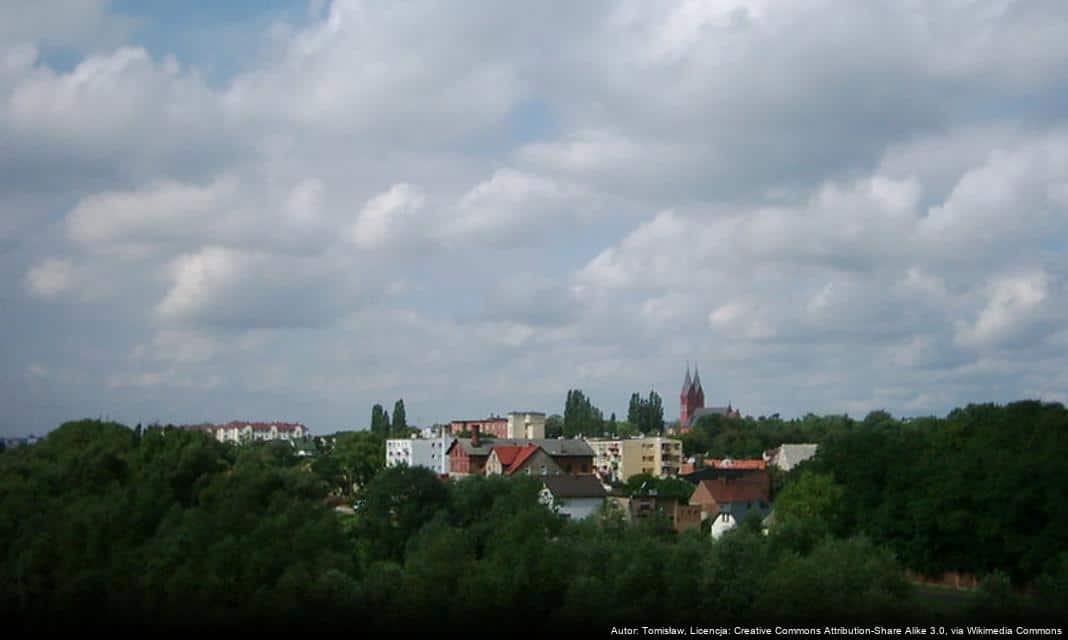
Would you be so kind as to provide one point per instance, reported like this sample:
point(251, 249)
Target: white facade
point(529, 425)
point(419, 452)
point(574, 508)
point(723, 523)
point(238, 432)
point(788, 456)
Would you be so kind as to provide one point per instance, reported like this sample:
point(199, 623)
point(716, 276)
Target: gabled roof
point(713, 473)
point(506, 454)
point(726, 492)
point(555, 447)
point(575, 486)
point(522, 455)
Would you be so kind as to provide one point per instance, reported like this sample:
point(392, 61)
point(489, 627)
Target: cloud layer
point(832, 206)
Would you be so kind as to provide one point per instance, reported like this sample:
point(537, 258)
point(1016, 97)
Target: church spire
point(696, 376)
point(687, 382)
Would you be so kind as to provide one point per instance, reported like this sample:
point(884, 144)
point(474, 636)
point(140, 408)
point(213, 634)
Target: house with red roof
point(542, 456)
point(727, 498)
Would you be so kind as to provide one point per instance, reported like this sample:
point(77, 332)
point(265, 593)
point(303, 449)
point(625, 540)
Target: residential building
point(574, 497)
point(788, 456)
point(419, 452)
point(495, 426)
point(619, 460)
point(469, 456)
point(529, 458)
point(11, 443)
point(238, 431)
point(526, 424)
point(727, 495)
point(642, 507)
point(692, 403)
point(731, 514)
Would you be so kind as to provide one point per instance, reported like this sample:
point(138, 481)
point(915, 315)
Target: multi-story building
point(618, 460)
point(528, 425)
point(495, 426)
point(420, 452)
point(238, 431)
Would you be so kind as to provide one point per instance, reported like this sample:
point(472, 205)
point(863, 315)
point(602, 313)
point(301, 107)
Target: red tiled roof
point(522, 456)
point(507, 454)
point(734, 491)
point(730, 463)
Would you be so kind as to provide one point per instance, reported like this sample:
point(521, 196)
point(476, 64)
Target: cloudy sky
point(293, 210)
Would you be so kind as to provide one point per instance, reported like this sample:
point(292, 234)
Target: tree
point(634, 411)
point(655, 413)
point(581, 417)
point(554, 426)
point(397, 502)
point(813, 495)
point(352, 462)
point(379, 421)
point(400, 420)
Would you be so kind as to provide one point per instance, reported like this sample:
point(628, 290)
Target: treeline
point(748, 437)
point(583, 419)
point(982, 490)
point(103, 525)
point(979, 491)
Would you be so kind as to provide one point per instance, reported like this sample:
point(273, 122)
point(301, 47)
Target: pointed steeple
point(687, 382)
point(696, 377)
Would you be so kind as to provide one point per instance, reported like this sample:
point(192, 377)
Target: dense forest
point(105, 525)
point(980, 490)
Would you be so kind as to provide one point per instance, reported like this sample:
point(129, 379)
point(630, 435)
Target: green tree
point(581, 417)
point(379, 421)
point(400, 420)
point(351, 461)
point(634, 411)
point(813, 495)
point(654, 418)
point(397, 503)
point(554, 426)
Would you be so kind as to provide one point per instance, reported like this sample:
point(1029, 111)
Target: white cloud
point(512, 206)
point(1012, 304)
point(52, 278)
point(387, 216)
point(162, 210)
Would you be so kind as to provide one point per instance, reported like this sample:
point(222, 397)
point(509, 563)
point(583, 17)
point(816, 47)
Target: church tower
point(691, 398)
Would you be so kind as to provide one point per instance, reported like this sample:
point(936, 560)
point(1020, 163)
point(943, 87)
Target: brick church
point(692, 402)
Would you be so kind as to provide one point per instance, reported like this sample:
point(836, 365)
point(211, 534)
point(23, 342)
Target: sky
point(294, 210)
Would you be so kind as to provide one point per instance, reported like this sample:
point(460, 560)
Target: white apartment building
point(238, 431)
point(419, 452)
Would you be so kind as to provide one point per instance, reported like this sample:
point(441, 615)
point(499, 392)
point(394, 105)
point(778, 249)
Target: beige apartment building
point(618, 460)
